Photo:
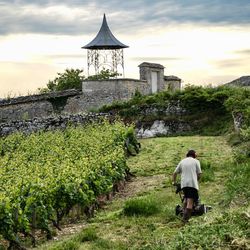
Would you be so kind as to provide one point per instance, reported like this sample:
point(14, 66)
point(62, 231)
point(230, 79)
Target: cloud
point(234, 63)
point(245, 52)
point(66, 56)
point(55, 19)
point(84, 16)
point(155, 59)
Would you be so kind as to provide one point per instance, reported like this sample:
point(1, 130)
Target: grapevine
point(45, 174)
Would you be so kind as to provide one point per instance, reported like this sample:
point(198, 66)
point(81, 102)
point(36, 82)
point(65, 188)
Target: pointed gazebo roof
point(105, 39)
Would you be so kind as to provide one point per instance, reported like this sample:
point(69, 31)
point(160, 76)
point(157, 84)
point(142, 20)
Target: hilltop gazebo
point(105, 51)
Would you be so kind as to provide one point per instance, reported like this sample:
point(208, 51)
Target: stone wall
point(238, 119)
point(163, 128)
point(94, 95)
point(169, 121)
point(172, 83)
point(106, 91)
point(49, 123)
point(45, 111)
point(144, 128)
point(29, 107)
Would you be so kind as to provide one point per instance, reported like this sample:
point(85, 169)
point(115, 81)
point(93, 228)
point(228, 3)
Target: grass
point(143, 216)
point(161, 155)
point(144, 206)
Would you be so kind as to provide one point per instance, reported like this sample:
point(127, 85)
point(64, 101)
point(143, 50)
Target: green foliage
point(238, 183)
point(43, 175)
point(101, 244)
point(104, 74)
point(242, 152)
point(224, 227)
point(221, 232)
point(207, 171)
point(205, 108)
point(70, 79)
point(239, 102)
point(66, 245)
point(143, 206)
point(132, 146)
point(245, 134)
point(88, 234)
point(192, 97)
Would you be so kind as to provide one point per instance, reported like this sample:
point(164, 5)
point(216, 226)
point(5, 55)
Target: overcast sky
point(200, 41)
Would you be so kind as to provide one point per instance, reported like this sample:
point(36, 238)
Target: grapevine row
point(44, 175)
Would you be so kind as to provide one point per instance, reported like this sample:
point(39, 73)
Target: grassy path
point(111, 229)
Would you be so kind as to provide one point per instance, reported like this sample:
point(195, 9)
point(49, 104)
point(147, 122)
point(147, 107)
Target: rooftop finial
point(105, 39)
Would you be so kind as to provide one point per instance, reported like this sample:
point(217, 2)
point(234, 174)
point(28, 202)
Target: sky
point(200, 41)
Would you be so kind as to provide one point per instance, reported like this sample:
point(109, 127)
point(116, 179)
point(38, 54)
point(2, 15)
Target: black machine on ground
point(198, 208)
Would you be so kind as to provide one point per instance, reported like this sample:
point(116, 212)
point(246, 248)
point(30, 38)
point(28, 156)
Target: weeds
point(238, 182)
point(66, 245)
point(101, 244)
point(88, 234)
point(147, 221)
point(207, 172)
point(220, 233)
point(143, 206)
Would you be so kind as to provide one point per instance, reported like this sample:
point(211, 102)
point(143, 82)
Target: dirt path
point(132, 188)
point(140, 184)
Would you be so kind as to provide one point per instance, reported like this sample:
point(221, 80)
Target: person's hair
point(191, 153)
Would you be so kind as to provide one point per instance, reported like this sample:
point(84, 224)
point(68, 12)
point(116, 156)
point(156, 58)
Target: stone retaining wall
point(30, 107)
point(49, 123)
point(93, 95)
point(173, 123)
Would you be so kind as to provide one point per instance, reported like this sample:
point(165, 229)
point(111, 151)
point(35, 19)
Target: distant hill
point(243, 81)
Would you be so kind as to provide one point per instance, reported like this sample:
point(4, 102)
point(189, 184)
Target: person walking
point(190, 171)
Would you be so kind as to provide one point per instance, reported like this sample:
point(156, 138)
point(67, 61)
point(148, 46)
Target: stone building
point(94, 94)
point(153, 73)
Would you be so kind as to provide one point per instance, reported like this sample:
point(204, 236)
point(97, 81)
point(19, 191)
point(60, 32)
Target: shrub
point(70, 79)
point(242, 152)
point(104, 74)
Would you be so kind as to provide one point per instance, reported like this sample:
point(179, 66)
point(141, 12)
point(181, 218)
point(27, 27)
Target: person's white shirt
point(189, 168)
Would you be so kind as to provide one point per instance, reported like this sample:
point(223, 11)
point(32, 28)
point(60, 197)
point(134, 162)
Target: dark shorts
point(190, 192)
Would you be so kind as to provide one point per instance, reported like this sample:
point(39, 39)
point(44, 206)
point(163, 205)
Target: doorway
point(154, 76)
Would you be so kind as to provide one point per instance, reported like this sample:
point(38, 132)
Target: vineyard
point(44, 175)
point(48, 177)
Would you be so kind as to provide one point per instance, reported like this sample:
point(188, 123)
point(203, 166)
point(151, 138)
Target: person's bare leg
point(184, 204)
point(190, 203)
point(188, 209)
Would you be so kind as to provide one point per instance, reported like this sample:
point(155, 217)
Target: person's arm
point(199, 172)
point(174, 178)
point(177, 170)
point(198, 176)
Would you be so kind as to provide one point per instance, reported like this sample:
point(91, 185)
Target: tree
point(105, 74)
point(70, 79)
